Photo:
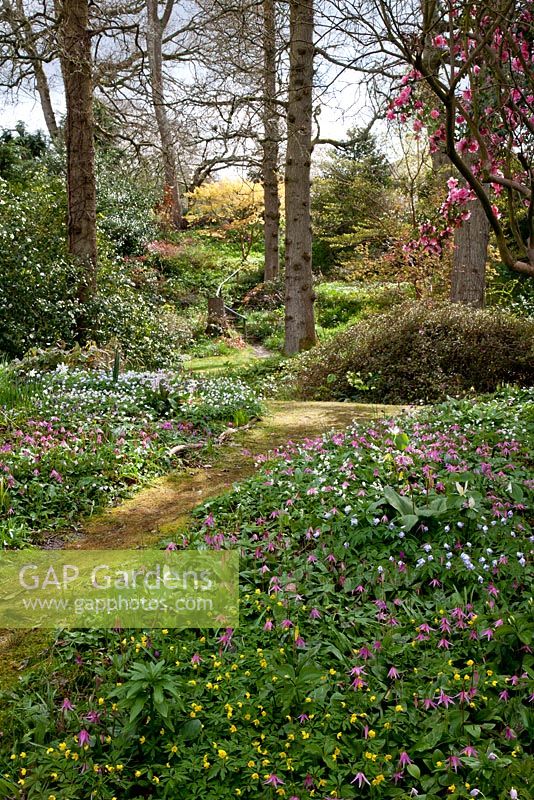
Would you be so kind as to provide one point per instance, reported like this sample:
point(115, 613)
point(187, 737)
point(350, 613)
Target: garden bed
point(384, 646)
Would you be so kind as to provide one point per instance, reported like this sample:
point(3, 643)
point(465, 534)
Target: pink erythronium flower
point(453, 762)
point(360, 779)
point(470, 751)
point(273, 780)
point(84, 737)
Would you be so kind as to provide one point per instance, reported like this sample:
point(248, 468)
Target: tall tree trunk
point(468, 274)
point(299, 295)
point(271, 226)
point(154, 36)
point(76, 65)
point(468, 277)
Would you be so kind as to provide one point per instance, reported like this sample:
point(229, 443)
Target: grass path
point(163, 508)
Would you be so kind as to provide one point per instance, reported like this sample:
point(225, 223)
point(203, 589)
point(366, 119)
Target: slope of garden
point(384, 647)
point(72, 441)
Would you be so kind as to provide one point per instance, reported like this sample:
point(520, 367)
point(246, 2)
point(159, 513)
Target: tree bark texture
point(217, 319)
point(171, 194)
point(468, 274)
point(468, 277)
point(76, 65)
point(271, 225)
point(299, 295)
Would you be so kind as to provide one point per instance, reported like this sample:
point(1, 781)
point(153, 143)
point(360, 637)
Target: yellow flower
point(255, 776)
point(251, 764)
point(470, 663)
point(371, 734)
point(222, 753)
point(451, 788)
point(138, 773)
point(399, 708)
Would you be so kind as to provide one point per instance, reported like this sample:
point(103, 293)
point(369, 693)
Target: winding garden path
point(163, 508)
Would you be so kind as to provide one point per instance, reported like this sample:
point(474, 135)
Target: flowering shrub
point(84, 439)
point(384, 647)
point(470, 85)
point(420, 352)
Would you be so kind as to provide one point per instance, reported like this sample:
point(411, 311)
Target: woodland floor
point(162, 509)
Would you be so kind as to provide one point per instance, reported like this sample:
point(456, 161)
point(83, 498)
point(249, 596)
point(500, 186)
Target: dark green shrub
point(418, 352)
point(150, 333)
point(38, 286)
point(126, 213)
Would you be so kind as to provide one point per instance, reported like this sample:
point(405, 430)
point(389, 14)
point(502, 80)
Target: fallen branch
point(180, 448)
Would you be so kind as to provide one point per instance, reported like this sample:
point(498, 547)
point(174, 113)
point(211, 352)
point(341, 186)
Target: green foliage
point(350, 198)
point(265, 326)
point(193, 266)
point(420, 352)
point(20, 153)
point(38, 286)
point(134, 312)
point(125, 206)
point(339, 303)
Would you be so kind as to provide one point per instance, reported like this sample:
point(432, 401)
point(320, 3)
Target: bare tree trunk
point(76, 66)
point(271, 226)
point(43, 89)
point(468, 277)
point(299, 295)
point(21, 27)
point(154, 36)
